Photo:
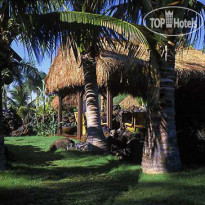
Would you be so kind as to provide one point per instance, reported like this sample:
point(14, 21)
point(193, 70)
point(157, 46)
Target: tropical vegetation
point(103, 22)
point(17, 18)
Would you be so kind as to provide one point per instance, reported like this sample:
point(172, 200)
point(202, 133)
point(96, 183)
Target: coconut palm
point(19, 96)
point(89, 52)
point(24, 75)
point(32, 83)
point(160, 149)
point(90, 47)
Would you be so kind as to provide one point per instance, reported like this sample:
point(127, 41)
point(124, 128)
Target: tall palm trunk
point(4, 97)
point(2, 147)
point(96, 138)
point(160, 152)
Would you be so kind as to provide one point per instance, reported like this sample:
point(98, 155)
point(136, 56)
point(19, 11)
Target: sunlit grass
point(38, 176)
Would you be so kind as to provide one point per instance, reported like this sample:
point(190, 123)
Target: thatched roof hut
point(118, 72)
point(114, 70)
point(129, 102)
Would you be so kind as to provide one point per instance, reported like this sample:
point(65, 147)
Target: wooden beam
point(109, 108)
point(60, 130)
point(80, 112)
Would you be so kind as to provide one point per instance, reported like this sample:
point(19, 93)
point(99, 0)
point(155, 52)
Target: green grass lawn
point(38, 176)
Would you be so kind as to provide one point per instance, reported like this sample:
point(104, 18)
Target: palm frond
point(130, 31)
point(28, 69)
point(19, 96)
point(55, 28)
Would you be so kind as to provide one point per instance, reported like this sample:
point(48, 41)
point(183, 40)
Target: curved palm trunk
point(96, 138)
point(160, 152)
point(2, 147)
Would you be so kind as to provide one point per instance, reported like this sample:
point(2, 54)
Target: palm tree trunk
point(96, 139)
point(160, 152)
point(2, 147)
point(4, 97)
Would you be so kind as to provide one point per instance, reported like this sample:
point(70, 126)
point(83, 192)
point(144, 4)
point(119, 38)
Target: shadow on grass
point(162, 193)
point(87, 184)
point(93, 183)
point(106, 191)
point(56, 173)
point(31, 155)
point(85, 191)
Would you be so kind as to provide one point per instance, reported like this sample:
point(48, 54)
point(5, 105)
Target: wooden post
point(134, 114)
point(60, 130)
point(80, 112)
point(109, 108)
point(102, 107)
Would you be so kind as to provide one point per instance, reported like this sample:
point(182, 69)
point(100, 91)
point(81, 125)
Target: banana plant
point(44, 113)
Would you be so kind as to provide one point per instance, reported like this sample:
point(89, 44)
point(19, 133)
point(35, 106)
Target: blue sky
point(21, 50)
point(46, 62)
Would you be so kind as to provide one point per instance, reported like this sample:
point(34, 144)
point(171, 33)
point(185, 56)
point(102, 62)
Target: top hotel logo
point(168, 20)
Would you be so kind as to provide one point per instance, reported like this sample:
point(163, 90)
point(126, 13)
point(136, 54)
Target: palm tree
point(89, 52)
point(23, 74)
point(19, 96)
point(41, 25)
point(96, 139)
point(90, 46)
point(33, 81)
point(160, 149)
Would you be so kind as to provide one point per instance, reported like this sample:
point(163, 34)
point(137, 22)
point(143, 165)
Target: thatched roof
point(113, 70)
point(129, 102)
point(117, 71)
point(190, 64)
